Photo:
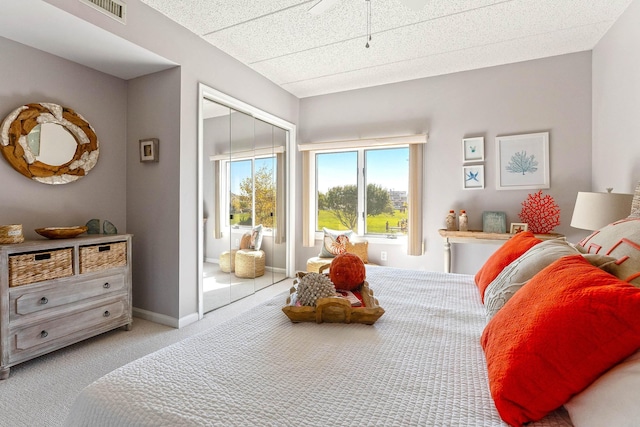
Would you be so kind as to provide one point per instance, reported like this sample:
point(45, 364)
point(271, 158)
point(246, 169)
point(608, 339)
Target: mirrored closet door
point(244, 232)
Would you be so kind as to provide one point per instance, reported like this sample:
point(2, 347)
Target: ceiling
point(311, 54)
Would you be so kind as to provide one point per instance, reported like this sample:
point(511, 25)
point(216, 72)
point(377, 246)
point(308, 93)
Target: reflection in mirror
point(52, 144)
point(243, 190)
point(49, 143)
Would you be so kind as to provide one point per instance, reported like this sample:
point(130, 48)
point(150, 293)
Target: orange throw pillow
point(505, 255)
point(562, 330)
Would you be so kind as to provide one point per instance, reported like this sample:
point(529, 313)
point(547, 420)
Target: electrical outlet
point(383, 256)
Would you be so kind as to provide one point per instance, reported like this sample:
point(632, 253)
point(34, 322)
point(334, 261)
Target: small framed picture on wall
point(473, 149)
point(149, 150)
point(473, 177)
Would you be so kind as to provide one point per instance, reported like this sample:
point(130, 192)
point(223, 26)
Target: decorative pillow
point(514, 275)
point(612, 400)
point(256, 237)
point(563, 329)
point(245, 241)
point(359, 248)
point(505, 255)
point(620, 240)
point(635, 204)
point(334, 242)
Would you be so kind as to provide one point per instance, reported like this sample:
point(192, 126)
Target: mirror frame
point(14, 146)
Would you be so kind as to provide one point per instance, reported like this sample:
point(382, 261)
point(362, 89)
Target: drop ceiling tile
point(562, 42)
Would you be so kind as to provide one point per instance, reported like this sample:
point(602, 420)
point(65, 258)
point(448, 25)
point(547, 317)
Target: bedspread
point(420, 364)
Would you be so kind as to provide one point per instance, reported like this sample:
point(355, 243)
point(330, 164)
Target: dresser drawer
point(103, 257)
point(24, 301)
point(47, 332)
point(39, 266)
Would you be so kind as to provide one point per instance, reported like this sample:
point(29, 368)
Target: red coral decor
point(540, 212)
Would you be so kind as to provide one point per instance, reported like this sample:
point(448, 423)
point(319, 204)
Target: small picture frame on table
point(149, 150)
point(517, 227)
point(494, 222)
point(473, 177)
point(473, 149)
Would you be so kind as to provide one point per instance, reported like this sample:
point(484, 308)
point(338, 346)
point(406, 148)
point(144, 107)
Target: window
point(251, 192)
point(373, 187)
point(373, 202)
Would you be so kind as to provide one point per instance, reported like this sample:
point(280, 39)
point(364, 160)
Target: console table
point(479, 237)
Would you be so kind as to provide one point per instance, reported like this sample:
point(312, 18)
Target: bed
point(420, 364)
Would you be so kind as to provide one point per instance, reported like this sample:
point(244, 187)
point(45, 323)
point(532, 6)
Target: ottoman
point(249, 263)
point(228, 260)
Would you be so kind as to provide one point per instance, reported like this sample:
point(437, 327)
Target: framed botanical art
point(523, 161)
point(473, 150)
point(473, 177)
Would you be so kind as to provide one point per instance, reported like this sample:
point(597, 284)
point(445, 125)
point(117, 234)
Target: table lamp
point(593, 211)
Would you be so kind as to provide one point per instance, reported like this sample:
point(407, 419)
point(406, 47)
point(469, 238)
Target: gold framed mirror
point(48, 143)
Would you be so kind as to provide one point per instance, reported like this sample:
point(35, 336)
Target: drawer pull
point(106, 285)
point(44, 334)
point(41, 257)
point(44, 300)
point(104, 248)
point(106, 313)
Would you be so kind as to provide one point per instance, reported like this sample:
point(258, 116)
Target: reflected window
point(252, 192)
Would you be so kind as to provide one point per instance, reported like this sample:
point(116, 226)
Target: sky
point(388, 168)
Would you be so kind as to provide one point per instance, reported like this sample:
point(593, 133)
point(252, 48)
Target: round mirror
point(48, 143)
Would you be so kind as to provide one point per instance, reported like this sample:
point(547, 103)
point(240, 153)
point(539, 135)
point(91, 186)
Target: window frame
point(361, 184)
point(310, 236)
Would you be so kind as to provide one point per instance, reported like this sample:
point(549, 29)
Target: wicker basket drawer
point(35, 267)
point(103, 257)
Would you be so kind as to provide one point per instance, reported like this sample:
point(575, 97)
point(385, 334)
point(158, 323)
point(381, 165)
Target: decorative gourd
point(347, 271)
point(313, 286)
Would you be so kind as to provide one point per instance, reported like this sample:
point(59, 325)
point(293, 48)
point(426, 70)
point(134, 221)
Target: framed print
point(149, 150)
point(473, 150)
point(517, 227)
point(473, 177)
point(494, 222)
point(523, 161)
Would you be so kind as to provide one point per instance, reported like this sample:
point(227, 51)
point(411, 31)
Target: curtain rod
point(365, 142)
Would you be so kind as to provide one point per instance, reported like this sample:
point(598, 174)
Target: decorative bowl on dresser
point(54, 293)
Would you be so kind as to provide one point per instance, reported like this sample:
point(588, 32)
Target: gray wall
point(616, 105)
point(552, 94)
point(36, 76)
point(165, 107)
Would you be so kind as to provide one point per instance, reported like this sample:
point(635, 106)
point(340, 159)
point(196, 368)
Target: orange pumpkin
point(347, 271)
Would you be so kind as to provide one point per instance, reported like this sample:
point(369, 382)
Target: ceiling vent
point(117, 9)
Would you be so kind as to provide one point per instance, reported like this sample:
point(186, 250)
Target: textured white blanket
point(421, 364)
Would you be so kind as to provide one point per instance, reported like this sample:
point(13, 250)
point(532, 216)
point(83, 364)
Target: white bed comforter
point(421, 364)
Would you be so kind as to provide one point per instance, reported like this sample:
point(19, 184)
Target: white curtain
point(280, 224)
point(415, 244)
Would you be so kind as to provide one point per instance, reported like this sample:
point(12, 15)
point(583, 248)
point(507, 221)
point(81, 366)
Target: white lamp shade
point(595, 210)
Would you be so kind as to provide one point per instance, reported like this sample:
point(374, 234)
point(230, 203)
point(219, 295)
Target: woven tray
point(335, 309)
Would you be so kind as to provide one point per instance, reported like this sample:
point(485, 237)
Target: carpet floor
point(41, 391)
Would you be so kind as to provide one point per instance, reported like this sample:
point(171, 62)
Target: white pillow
point(611, 400)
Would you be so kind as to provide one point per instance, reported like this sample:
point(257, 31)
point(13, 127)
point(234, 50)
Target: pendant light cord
point(368, 3)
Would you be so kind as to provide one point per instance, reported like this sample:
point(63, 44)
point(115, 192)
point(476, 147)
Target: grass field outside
point(375, 224)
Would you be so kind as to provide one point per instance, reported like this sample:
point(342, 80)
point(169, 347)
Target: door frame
point(205, 91)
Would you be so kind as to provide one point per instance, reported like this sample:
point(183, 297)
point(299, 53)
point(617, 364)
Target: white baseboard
point(163, 319)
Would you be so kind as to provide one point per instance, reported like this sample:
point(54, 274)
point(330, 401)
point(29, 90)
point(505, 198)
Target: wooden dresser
point(54, 293)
